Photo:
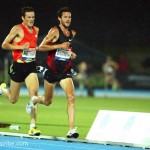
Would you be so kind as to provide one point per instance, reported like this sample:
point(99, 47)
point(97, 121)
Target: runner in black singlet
point(59, 62)
point(59, 68)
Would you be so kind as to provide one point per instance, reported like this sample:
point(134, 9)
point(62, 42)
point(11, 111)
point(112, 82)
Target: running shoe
point(34, 132)
point(29, 107)
point(3, 85)
point(73, 133)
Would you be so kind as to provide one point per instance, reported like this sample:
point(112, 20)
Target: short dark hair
point(26, 9)
point(63, 9)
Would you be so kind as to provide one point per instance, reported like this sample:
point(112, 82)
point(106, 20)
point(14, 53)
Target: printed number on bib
point(29, 55)
point(62, 55)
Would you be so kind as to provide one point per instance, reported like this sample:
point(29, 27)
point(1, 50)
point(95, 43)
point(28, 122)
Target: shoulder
point(16, 28)
point(53, 30)
point(36, 28)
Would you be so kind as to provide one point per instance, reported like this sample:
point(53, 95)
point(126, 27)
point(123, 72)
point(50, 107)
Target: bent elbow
point(4, 46)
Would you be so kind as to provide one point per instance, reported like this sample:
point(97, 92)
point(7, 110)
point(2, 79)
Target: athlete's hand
point(65, 45)
point(33, 49)
point(73, 55)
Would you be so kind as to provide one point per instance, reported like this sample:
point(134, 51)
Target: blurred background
point(112, 42)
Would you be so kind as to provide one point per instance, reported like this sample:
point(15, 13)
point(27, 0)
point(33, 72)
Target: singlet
point(59, 60)
point(28, 55)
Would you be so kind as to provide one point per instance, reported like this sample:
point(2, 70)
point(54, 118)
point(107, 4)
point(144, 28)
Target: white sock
point(32, 126)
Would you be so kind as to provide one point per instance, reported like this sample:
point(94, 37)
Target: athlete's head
point(64, 16)
point(28, 15)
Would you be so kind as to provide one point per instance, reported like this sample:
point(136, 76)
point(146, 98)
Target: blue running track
point(9, 142)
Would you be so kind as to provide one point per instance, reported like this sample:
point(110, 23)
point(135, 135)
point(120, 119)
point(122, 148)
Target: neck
point(63, 27)
point(28, 27)
point(64, 30)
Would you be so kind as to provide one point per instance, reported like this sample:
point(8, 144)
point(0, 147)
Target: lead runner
point(59, 66)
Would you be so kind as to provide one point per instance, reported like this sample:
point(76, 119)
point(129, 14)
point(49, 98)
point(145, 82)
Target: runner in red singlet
point(22, 41)
point(59, 62)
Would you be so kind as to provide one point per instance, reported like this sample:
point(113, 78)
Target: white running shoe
point(29, 107)
point(3, 85)
point(73, 133)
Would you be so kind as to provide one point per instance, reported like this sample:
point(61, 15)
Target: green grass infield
point(53, 120)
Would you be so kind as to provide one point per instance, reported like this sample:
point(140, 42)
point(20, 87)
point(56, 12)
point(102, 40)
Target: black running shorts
point(52, 77)
point(19, 71)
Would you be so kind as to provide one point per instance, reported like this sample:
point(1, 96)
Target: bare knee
point(13, 101)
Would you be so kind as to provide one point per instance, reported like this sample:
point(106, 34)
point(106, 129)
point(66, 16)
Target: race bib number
point(29, 54)
point(62, 55)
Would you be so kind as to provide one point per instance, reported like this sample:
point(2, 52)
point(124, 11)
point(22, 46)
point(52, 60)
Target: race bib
point(62, 55)
point(29, 54)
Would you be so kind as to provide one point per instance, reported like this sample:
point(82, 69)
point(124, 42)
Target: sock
point(32, 126)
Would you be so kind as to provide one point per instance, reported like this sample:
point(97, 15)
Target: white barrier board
point(121, 126)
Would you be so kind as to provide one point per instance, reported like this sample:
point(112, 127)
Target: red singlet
point(28, 37)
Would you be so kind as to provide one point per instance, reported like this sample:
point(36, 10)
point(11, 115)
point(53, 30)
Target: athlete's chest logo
point(70, 40)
